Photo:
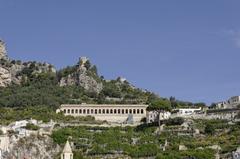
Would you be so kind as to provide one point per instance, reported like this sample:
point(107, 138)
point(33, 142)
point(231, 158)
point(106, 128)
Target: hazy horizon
point(185, 49)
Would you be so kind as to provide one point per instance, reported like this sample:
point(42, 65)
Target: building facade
point(233, 102)
point(152, 116)
point(107, 112)
point(186, 111)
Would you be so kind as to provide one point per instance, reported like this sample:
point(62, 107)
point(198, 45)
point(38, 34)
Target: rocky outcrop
point(37, 147)
point(5, 77)
point(12, 71)
point(3, 52)
point(84, 77)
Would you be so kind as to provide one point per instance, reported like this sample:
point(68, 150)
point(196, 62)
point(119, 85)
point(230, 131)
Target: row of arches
point(103, 111)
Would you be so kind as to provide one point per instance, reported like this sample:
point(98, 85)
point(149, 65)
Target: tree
point(209, 129)
point(160, 106)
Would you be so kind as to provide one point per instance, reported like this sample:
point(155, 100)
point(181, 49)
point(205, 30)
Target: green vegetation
point(161, 106)
point(143, 141)
point(32, 127)
point(45, 114)
point(42, 89)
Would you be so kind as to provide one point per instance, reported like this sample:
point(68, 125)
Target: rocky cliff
point(13, 71)
point(37, 147)
point(3, 52)
point(84, 75)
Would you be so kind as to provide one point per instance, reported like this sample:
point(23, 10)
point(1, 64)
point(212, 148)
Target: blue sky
point(187, 49)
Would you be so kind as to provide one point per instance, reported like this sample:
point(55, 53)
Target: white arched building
point(107, 112)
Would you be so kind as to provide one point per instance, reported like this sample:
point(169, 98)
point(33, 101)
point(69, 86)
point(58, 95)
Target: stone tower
point(82, 61)
point(3, 52)
point(67, 152)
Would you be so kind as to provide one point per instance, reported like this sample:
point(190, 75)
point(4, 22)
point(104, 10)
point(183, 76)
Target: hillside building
point(152, 116)
point(233, 102)
point(186, 111)
point(107, 112)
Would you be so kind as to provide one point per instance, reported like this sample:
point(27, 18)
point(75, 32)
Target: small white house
point(152, 116)
point(187, 111)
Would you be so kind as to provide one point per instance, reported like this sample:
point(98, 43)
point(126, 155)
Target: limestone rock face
point(89, 83)
point(12, 71)
point(3, 52)
point(82, 78)
point(33, 147)
point(5, 77)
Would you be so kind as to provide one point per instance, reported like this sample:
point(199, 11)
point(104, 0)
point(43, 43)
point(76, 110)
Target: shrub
point(175, 121)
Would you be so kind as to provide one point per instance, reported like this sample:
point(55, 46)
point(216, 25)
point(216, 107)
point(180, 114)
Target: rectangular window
point(119, 111)
point(95, 111)
point(64, 110)
point(80, 111)
point(126, 111)
point(130, 111)
point(72, 111)
point(91, 111)
point(99, 111)
point(138, 111)
point(142, 111)
point(84, 111)
point(115, 111)
point(68, 111)
point(107, 111)
point(122, 111)
point(76, 111)
point(103, 111)
point(88, 111)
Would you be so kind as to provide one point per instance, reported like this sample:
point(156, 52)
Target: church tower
point(67, 152)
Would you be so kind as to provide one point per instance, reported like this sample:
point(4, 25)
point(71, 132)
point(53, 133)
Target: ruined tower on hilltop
point(3, 52)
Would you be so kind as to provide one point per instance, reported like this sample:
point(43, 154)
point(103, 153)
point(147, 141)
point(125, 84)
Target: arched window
point(130, 111)
point(84, 111)
point(107, 111)
point(115, 111)
point(88, 112)
point(142, 111)
point(119, 111)
point(95, 111)
point(99, 111)
point(76, 111)
point(103, 111)
point(111, 111)
point(68, 111)
point(72, 111)
point(126, 111)
point(138, 111)
point(80, 111)
point(91, 111)
point(134, 111)
point(64, 110)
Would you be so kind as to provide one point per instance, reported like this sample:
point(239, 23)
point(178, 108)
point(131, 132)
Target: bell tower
point(67, 152)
